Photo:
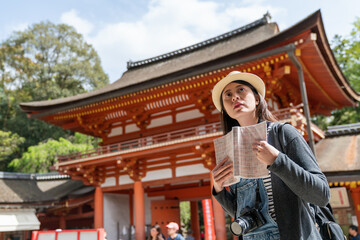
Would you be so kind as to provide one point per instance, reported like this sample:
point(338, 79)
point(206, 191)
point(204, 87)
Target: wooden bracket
point(140, 117)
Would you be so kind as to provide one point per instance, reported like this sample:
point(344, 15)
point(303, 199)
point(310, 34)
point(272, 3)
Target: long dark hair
point(262, 111)
point(158, 230)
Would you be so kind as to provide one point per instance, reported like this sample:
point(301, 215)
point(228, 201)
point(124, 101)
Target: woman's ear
point(257, 100)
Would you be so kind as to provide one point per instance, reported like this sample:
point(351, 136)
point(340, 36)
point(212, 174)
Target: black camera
point(249, 220)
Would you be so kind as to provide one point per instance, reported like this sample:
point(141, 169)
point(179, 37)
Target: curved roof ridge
point(33, 176)
point(345, 129)
point(264, 20)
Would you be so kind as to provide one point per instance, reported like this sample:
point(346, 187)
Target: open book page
point(237, 145)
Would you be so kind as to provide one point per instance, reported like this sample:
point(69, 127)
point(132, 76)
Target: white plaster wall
point(160, 121)
point(125, 179)
point(157, 174)
point(183, 116)
point(131, 128)
point(116, 131)
point(110, 181)
point(191, 170)
point(116, 214)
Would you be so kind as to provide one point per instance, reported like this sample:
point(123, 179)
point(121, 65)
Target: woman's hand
point(221, 173)
point(265, 152)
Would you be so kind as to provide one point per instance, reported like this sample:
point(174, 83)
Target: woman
point(294, 179)
point(155, 233)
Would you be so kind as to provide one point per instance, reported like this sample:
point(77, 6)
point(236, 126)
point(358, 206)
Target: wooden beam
point(184, 193)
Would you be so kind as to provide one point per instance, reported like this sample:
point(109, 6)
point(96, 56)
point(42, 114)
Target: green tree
point(39, 158)
point(9, 144)
point(347, 52)
point(49, 61)
point(44, 62)
point(185, 215)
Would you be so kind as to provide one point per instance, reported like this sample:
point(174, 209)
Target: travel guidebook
point(237, 145)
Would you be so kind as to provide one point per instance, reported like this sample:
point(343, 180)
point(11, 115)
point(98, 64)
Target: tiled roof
point(264, 20)
point(33, 176)
point(19, 188)
point(348, 129)
point(339, 154)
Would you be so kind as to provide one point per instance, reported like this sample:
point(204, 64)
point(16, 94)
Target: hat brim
point(176, 227)
point(252, 79)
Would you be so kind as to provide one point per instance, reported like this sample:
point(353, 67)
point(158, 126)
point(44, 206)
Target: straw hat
point(252, 79)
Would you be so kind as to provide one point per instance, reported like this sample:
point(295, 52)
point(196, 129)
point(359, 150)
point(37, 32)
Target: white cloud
point(20, 27)
point(10, 28)
point(167, 26)
point(81, 25)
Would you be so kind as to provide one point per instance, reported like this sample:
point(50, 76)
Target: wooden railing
point(145, 141)
point(286, 113)
point(282, 114)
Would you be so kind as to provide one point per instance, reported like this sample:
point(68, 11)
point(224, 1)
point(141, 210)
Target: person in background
point(155, 233)
point(353, 231)
point(172, 229)
point(189, 235)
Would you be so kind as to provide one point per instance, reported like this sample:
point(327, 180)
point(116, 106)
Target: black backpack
point(325, 222)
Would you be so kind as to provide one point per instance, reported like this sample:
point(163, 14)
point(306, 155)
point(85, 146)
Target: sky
point(134, 30)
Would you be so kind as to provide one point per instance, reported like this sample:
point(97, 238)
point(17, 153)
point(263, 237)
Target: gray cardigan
point(296, 178)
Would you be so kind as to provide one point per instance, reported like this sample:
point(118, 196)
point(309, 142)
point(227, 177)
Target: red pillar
point(208, 219)
point(355, 195)
point(219, 218)
point(99, 208)
point(139, 211)
point(62, 222)
point(131, 207)
point(195, 226)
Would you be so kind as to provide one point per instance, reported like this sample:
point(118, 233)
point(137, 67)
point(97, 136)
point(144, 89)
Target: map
point(237, 145)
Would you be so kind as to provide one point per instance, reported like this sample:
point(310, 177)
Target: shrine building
point(157, 122)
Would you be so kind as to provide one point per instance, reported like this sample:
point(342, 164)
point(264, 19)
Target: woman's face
point(240, 101)
point(153, 232)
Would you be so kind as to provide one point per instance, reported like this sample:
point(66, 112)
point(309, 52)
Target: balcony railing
point(285, 114)
point(145, 141)
point(282, 114)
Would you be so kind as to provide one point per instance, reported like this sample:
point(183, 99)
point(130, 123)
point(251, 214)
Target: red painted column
point(208, 219)
point(195, 226)
point(355, 195)
point(62, 222)
point(139, 211)
point(99, 208)
point(219, 218)
point(131, 207)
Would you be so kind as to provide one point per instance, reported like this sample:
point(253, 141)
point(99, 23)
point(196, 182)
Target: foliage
point(346, 115)
point(79, 138)
point(41, 157)
point(347, 52)
point(49, 61)
point(44, 62)
point(9, 146)
point(185, 215)
point(9, 143)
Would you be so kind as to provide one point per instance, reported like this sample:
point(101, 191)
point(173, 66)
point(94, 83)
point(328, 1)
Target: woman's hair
point(262, 111)
point(158, 230)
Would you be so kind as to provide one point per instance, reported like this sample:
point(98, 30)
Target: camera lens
point(237, 227)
